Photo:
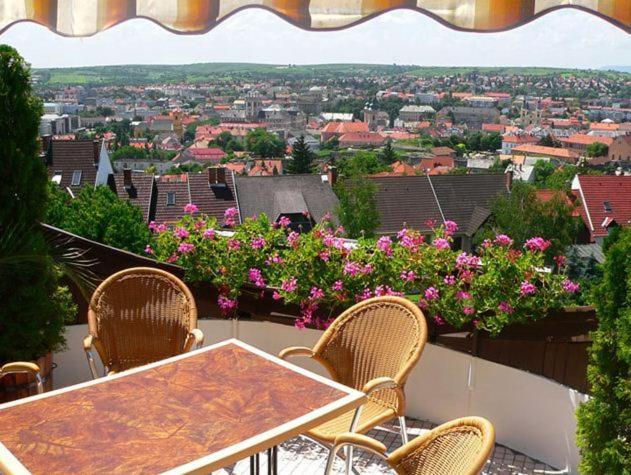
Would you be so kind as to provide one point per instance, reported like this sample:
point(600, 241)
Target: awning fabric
point(87, 17)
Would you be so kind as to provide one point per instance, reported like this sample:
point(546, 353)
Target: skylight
point(170, 198)
point(76, 178)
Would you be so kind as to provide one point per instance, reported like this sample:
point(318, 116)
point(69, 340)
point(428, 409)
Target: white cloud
point(567, 38)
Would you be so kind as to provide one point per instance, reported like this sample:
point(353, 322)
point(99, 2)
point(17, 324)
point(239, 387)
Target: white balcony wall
point(531, 414)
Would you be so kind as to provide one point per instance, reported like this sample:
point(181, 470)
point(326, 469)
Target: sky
point(566, 38)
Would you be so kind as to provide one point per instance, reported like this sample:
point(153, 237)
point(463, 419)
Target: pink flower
point(181, 233)
point(422, 304)
point(438, 320)
point(209, 234)
point(231, 216)
point(338, 285)
point(465, 260)
point(276, 259)
point(172, 258)
point(401, 234)
point(441, 244)
point(368, 268)
point(325, 255)
point(284, 221)
point(450, 280)
point(462, 295)
point(430, 223)
point(256, 277)
point(503, 240)
point(258, 243)
point(366, 294)
point(560, 260)
point(186, 247)
point(468, 310)
point(233, 245)
point(289, 285)
point(299, 324)
point(191, 208)
point(570, 287)
point(537, 244)
point(292, 238)
point(506, 307)
point(527, 288)
point(382, 290)
point(432, 293)
point(199, 224)
point(486, 243)
point(408, 276)
point(352, 268)
point(152, 225)
point(340, 230)
point(326, 217)
point(226, 304)
point(276, 295)
point(384, 244)
point(148, 249)
point(450, 227)
point(316, 293)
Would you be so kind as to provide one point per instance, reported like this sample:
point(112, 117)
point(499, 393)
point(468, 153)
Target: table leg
point(275, 457)
point(254, 465)
point(272, 461)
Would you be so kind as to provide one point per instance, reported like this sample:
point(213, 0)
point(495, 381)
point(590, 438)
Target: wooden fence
point(554, 347)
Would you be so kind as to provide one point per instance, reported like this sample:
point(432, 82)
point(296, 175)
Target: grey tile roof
point(285, 194)
point(67, 156)
point(141, 194)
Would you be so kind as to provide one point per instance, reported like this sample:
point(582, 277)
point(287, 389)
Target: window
point(607, 206)
point(170, 198)
point(76, 178)
point(56, 179)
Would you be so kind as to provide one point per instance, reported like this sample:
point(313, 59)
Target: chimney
point(221, 175)
point(212, 176)
point(508, 178)
point(46, 141)
point(332, 173)
point(127, 179)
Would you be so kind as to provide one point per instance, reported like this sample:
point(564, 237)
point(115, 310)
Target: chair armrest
point(361, 442)
point(296, 351)
point(24, 367)
point(379, 383)
point(87, 342)
point(195, 339)
point(87, 347)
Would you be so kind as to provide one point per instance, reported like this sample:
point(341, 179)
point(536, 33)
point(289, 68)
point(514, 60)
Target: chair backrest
point(459, 447)
point(140, 315)
point(382, 336)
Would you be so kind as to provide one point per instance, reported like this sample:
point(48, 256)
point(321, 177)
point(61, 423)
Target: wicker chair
point(372, 347)
point(459, 447)
point(138, 316)
point(24, 367)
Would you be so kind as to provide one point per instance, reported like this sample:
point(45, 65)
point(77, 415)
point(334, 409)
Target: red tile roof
point(604, 199)
point(341, 128)
point(564, 154)
point(583, 139)
point(361, 138)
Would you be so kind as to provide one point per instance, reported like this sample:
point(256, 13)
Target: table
point(192, 413)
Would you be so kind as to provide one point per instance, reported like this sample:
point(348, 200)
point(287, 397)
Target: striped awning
point(87, 17)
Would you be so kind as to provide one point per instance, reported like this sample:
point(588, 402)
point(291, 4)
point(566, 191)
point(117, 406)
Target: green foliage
point(34, 308)
point(302, 158)
point(550, 141)
point(499, 166)
point(357, 209)
point(319, 271)
point(227, 142)
point(604, 421)
point(597, 149)
point(360, 163)
point(388, 154)
point(392, 106)
point(264, 144)
point(332, 144)
point(561, 178)
point(98, 214)
point(479, 142)
point(550, 220)
point(543, 170)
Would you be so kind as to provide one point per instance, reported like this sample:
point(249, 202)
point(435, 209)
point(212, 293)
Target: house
point(443, 152)
point(337, 129)
point(266, 168)
point(436, 165)
point(620, 149)
point(212, 191)
point(560, 154)
point(362, 139)
point(413, 113)
point(73, 164)
point(201, 155)
point(473, 117)
point(580, 142)
point(509, 142)
point(605, 202)
point(416, 201)
point(399, 169)
point(138, 188)
point(304, 199)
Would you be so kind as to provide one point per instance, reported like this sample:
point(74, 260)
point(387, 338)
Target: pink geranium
point(181, 232)
point(450, 227)
point(570, 287)
point(258, 243)
point(432, 293)
point(209, 234)
point(384, 244)
point(191, 208)
point(289, 285)
point(537, 244)
point(503, 240)
point(527, 288)
point(186, 247)
point(441, 244)
point(506, 307)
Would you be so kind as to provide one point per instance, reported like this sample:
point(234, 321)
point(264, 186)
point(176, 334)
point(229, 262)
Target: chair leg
point(404, 429)
point(349, 460)
point(329, 461)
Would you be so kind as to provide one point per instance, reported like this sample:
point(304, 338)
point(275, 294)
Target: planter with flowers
point(321, 272)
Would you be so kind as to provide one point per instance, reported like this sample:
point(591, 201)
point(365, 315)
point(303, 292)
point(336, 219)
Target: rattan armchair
point(372, 347)
point(24, 367)
point(138, 316)
point(458, 447)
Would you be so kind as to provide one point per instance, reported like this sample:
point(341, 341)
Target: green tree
point(491, 142)
point(127, 152)
point(100, 215)
point(361, 163)
point(604, 421)
point(388, 154)
point(550, 141)
point(357, 210)
point(597, 149)
point(227, 142)
point(551, 220)
point(499, 166)
point(543, 170)
point(34, 307)
point(264, 144)
point(302, 158)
